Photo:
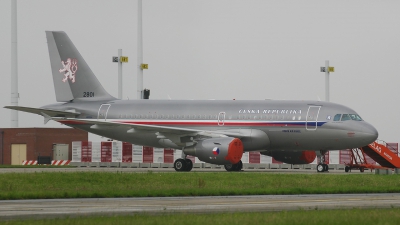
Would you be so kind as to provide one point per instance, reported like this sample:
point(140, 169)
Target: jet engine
point(292, 157)
point(221, 151)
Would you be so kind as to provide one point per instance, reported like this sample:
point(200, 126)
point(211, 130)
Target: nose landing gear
point(322, 167)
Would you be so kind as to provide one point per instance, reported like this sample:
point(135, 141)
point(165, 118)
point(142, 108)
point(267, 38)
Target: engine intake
point(219, 151)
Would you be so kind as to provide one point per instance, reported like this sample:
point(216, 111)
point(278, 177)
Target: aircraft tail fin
point(72, 77)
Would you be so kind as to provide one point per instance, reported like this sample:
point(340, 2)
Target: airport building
point(122, 154)
point(20, 144)
point(24, 146)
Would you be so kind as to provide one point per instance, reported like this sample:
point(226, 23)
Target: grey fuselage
point(264, 124)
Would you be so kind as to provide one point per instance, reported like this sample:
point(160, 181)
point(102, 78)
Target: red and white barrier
point(60, 162)
point(29, 162)
point(53, 162)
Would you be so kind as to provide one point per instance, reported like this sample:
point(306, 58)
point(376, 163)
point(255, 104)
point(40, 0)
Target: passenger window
point(346, 117)
point(337, 117)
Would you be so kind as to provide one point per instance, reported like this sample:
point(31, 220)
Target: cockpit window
point(337, 117)
point(355, 117)
point(346, 117)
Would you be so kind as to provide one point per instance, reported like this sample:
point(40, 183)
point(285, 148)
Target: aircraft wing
point(171, 133)
point(40, 111)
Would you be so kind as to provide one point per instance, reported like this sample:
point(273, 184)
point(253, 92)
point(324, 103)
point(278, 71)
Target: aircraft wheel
point(362, 169)
point(326, 167)
point(320, 168)
point(234, 167)
point(240, 165)
point(180, 165)
point(231, 167)
point(347, 169)
point(189, 165)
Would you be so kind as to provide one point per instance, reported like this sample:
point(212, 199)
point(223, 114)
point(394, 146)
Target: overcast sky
point(217, 49)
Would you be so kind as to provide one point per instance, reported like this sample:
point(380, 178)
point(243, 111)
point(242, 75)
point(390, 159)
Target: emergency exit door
point(103, 110)
point(312, 117)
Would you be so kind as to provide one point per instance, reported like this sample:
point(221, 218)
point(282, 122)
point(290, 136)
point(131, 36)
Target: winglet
point(47, 118)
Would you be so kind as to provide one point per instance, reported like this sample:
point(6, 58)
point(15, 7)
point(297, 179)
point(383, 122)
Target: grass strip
point(45, 185)
point(326, 217)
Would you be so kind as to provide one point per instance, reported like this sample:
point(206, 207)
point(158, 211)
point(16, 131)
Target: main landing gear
point(322, 167)
point(234, 167)
point(183, 165)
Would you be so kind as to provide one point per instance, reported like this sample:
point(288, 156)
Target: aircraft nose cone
point(370, 134)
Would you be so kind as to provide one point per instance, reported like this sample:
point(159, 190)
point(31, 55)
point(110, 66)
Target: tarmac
point(62, 208)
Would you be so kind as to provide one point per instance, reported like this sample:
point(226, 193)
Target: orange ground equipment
point(380, 152)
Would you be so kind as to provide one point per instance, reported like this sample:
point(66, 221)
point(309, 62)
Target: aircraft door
point(103, 110)
point(312, 117)
point(221, 118)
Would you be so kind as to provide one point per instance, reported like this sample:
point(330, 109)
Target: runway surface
point(54, 208)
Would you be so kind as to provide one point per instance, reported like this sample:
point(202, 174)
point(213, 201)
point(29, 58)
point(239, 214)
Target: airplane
point(215, 131)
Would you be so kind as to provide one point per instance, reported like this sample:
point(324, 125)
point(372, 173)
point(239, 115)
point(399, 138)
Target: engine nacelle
point(221, 151)
point(292, 157)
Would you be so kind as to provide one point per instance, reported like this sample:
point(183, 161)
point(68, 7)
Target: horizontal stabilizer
point(40, 111)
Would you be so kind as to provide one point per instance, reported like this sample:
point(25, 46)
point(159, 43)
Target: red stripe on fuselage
point(192, 123)
point(72, 122)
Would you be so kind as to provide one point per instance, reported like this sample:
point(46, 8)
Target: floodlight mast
point(119, 74)
point(327, 69)
point(139, 52)
point(14, 64)
point(327, 80)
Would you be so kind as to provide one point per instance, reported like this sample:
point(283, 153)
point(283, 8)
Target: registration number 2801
point(87, 94)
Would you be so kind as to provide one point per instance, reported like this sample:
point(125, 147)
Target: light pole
point(120, 59)
point(140, 65)
point(327, 70)
point(14, 64)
